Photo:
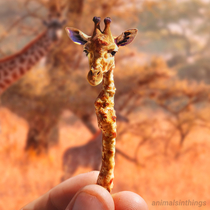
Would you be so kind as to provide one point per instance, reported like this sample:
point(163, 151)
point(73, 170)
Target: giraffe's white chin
point(59, 33)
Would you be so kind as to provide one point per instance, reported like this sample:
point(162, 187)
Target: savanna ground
point(162, 102)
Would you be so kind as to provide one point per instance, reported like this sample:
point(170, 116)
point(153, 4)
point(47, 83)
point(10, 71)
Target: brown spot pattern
point(5, 73)
point(114, 118)
point(7, 81)
point(41, 53)
point(21, 70)
point(21, 59)
point(14, 75)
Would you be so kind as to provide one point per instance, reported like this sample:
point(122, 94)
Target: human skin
point(81, 193)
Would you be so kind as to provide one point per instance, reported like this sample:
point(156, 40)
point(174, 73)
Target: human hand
point(81, 193)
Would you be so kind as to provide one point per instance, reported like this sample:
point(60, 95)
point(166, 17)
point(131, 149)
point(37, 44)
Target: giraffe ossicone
point(101, 48)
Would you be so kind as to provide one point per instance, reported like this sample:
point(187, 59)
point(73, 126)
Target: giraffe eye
point(113, 53)
point(86, 52)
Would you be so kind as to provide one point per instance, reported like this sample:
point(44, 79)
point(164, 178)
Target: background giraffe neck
point(15, 66)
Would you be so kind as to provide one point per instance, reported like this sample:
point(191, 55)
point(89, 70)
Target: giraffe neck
point(104, 106)
point(15, 66)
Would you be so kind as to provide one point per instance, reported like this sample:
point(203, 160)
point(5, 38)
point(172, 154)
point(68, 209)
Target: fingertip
point(92, 197)
point(129, 200)
point(63, 193)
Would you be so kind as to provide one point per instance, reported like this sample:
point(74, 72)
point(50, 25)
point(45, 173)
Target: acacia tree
point(184, 105)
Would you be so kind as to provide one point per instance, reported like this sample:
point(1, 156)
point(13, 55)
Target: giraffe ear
point(126, 37)
point(77, 36)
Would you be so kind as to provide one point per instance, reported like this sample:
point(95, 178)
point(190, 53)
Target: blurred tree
point(183, 103)
point(179, 31)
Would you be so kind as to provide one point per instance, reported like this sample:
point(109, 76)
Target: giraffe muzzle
point(95, 77)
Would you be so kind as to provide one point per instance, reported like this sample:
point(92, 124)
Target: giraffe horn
point(107, 29)
point(97, 29)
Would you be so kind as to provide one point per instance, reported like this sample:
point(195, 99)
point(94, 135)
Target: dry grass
point(25, 177)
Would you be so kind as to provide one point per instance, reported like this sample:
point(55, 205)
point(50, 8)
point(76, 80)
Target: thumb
point(92, 197)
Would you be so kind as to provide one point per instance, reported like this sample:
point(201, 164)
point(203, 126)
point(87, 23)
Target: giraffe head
point(54, 23)
point(100, 48)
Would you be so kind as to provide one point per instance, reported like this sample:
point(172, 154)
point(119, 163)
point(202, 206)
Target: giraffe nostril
point(98, 73)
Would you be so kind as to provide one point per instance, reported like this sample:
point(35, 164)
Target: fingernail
point(85, 201)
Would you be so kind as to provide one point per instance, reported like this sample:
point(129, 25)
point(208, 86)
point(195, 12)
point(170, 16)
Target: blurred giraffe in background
point(42, 111)
point(88, 156)
point(15, 66)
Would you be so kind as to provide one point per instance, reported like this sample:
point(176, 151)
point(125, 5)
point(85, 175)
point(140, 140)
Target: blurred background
point(48, 127)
